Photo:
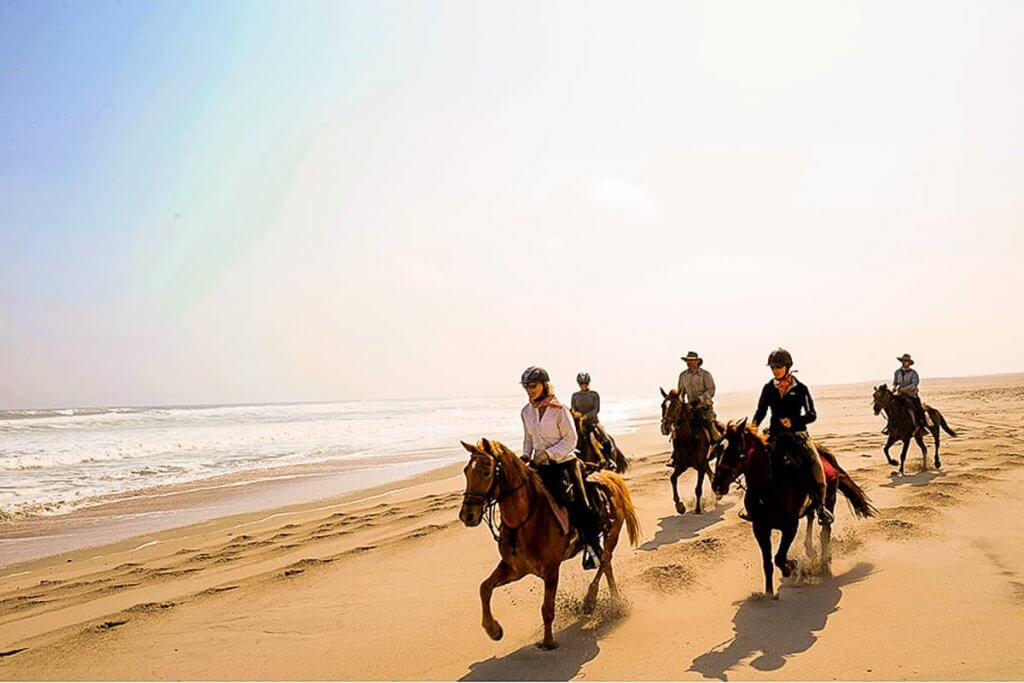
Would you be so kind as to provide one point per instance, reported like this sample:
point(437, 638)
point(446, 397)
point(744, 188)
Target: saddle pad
point(561, 514)
point(830, 472)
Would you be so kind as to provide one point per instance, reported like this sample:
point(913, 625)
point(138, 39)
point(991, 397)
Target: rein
point(491, 502)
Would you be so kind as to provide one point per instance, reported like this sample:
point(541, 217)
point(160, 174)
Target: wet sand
point(383, 585)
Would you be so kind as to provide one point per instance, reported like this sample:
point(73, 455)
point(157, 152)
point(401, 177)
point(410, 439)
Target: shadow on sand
point(777, 629)
point(676, 527)
point(919, 479)
point(578, 644)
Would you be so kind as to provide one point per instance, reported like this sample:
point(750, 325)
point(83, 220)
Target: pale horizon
point(260, 203)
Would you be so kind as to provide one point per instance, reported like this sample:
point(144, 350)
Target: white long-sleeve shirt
point(550, 439)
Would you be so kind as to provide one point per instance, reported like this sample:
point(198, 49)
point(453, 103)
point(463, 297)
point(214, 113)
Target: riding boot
point(819, 494)
point(590, 525)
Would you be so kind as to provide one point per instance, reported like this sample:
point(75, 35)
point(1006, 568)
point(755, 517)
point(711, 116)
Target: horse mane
point(754, 432)
point(509, 460)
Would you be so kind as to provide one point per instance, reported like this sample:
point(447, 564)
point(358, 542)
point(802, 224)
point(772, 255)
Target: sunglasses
point(532, 385)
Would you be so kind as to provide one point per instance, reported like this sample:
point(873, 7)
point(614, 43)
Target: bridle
point(489, 499)
point(735, 471)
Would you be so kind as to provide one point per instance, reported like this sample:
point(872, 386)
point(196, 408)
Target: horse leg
point(885, 449)
point(501, 575)
point(547, 611)
point(826, 531)
point(808, 543)
point(782, 560)
point(938, 440)
point(903, 455)
point(605, 569)
point(763, 534)
point(919, 438)
point(700, 486)
point(680, 506)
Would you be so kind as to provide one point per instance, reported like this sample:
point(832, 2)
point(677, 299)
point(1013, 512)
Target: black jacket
point(797, 405)
point(589, 403)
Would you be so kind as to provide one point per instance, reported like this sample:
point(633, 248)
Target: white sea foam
point(52, 460)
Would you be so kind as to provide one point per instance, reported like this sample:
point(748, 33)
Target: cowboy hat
point(906, 357)
point(692, 355)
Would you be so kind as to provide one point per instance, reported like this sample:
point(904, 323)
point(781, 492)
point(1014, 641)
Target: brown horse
point(777, 497)
point(902, 426)
point(690, 445)
point(530, 538)
point(591, 450)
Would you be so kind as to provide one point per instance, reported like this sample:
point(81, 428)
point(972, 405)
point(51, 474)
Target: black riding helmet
point(780, 358)
point(534, 374)
point(583, 378)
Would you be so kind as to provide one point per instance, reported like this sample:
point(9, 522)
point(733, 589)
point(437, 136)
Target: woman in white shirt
point(549, 442)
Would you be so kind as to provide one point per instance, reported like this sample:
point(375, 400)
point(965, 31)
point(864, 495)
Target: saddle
point(596, 494)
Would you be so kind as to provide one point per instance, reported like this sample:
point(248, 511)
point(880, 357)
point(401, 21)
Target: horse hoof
point(680, 508)
point(775, 596)
point(547, 646)
point(588, 605)
point(787, 568)
point(498, 634)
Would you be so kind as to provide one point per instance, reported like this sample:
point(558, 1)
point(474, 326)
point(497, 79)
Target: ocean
point(56, 461)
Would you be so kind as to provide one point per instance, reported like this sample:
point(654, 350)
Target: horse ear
point(663, 394)
point(486, 446)
point(471, 449)
point(743, 425)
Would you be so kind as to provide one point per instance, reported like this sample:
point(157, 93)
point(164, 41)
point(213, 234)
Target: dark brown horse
point(604, 456)
point(777, 495)
point(902, 426)
point(530, 537)
point(690, 444)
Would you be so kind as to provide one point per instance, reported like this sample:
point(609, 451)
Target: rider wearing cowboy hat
point(698, 387)
point(905, 383)
point(549, 444)
point(792, 410)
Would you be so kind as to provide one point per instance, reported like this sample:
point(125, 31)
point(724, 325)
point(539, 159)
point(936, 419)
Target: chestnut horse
point(777, 497)
point(690, 445)
point(902, 426)
point(530, 538)
point(591, 450)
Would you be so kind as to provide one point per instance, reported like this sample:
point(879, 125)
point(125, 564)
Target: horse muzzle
point(471, 515)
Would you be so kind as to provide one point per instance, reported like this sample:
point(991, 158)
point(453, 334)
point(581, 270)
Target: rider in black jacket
point(792, 410)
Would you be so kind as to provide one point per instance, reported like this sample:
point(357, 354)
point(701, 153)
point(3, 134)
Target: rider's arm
point(592, 415)
point(762, 405)
point(562, 450)
point(810, 415)
point(896, 380)
point(913, 380)
point(709, 387)
point(527, 438)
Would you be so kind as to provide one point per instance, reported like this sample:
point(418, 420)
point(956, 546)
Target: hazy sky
point(243, 201)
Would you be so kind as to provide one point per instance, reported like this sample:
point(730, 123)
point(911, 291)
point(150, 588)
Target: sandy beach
point(382, 583)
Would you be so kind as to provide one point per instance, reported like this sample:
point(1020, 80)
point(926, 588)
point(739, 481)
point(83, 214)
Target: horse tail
point(942, 423)
point(858, 499)
point(615, 486)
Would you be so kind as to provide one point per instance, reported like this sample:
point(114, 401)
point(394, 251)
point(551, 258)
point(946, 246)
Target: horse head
point(734, 458)
point(671, 406)
point(483, 479)
point(882, 397)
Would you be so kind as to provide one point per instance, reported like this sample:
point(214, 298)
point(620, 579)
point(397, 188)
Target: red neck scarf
point(548, 401)
point(784, 384)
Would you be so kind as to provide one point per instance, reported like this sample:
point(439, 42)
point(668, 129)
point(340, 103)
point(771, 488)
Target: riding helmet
point(780, 358)
point(534, 374)
point(583, 378)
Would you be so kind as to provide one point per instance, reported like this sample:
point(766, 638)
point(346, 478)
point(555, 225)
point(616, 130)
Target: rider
point(905, 384)
point(697, 386)
point(549, 442)
point(792, 410)
point(586, 404)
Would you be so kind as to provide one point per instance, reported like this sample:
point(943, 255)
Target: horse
point(690, 445)
point(776, 496)
point(531, 539)
point(592, 451)
point(902, 426)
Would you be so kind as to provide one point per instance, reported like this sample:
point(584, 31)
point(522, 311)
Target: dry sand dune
point(387, 588)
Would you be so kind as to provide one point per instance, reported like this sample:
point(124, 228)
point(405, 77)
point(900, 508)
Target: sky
point(263, 201)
